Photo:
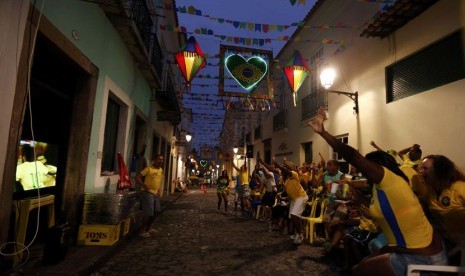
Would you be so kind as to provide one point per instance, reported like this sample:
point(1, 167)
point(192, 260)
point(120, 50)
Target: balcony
point(133, 21)
point(167, 99)
point(312, 102)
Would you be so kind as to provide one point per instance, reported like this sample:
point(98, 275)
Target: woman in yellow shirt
point(445, 195)
point(411, 239)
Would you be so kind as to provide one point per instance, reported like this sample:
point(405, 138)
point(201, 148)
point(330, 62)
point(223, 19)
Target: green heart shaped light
point(246, 72)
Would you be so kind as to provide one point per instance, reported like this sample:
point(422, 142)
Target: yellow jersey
point(399, 214)
point(153, 178)
point(293, 188)
point(244, 175)
point(449, 210)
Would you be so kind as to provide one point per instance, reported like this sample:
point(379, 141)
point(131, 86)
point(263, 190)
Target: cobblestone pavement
point(194, 238)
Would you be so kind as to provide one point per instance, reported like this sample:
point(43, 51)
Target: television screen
point(36, 165)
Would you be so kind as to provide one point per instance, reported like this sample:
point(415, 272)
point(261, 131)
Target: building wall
point(119, 74)
point(11, 40)
point(432, 119)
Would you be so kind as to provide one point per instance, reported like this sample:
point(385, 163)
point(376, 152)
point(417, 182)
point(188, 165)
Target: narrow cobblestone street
point(194, 238)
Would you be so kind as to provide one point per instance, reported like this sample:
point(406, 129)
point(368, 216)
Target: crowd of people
point(390, 210)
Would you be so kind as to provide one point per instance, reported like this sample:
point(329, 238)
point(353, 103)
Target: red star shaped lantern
point(296, 71)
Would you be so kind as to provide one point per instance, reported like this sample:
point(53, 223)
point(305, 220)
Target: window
point(312, 103)
point(258, 132)
point(308, 152)
point(267, 150)
point(279, 120)
point(280, 85)
point(317, 96)
point(315, 64)
point(438, 64)
point(247, 137)
point(155, 146)
point(110, 140)
point(343, 165)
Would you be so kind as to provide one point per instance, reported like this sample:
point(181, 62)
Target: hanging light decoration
point(190, 60)
point(296, 71)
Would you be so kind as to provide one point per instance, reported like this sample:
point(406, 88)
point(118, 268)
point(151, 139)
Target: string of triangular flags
point(260, 27)
point(267, 27)
point(235, 101)
point(191, 10)
point(246, 40)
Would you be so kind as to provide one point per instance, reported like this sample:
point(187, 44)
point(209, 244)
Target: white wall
point(11, 41)
point(433, 119)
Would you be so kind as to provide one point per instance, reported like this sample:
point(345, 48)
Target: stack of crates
point(106, 217)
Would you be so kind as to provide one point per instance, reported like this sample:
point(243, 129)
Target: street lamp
point(188, 137)
point(235, 150)
point(327, 77)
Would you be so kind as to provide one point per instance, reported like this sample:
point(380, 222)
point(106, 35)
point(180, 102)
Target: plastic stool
point(22, 209)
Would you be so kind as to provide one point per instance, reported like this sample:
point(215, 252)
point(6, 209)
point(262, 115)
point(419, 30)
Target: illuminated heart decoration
point(203, 163)
point(246, 72)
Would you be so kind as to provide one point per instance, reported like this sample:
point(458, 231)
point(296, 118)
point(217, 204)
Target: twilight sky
point(230, 20)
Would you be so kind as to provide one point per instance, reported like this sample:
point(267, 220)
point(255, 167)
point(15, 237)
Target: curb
point(88, 269)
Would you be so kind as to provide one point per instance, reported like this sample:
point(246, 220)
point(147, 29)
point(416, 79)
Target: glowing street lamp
point(327, 77)
point(235, 150)
point(188, 137)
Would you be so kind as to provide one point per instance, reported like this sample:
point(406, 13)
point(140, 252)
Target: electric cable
point(31, 48)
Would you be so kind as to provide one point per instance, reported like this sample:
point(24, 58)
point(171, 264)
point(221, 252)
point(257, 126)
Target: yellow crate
point(125, 226)
point(98, 234)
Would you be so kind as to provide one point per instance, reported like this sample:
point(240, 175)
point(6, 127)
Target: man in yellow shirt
point(243, 175)
point(150, 178)
point(297, 197)
point(411, 157)
point(30, 173)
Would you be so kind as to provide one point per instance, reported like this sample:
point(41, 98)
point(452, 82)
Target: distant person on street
point(150, 178)
point(244, 179)
point(222, 189)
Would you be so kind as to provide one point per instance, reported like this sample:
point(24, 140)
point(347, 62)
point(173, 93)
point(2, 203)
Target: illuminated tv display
point(37, 168)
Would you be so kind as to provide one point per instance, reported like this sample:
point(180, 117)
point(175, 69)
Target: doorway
point(308, 152)
point(63, 84)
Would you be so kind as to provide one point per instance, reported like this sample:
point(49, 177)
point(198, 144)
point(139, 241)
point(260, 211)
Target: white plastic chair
point(414, 270)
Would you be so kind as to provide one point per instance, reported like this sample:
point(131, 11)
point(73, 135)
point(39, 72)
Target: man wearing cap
point(297, 197)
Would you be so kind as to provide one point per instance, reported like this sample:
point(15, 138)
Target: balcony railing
point(169, 102)
point(312, 102)
point(140, 14)
point(133, 21)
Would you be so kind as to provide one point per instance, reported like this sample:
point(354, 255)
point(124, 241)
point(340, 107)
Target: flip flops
point(153, 231)
point(144, 235)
